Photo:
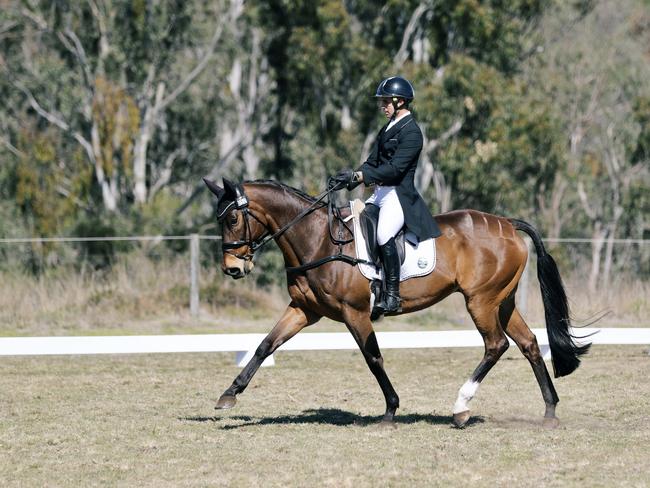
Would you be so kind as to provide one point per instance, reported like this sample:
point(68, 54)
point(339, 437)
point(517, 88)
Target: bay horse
point(478, 254)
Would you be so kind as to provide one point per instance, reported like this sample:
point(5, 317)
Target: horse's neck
point(281, 207)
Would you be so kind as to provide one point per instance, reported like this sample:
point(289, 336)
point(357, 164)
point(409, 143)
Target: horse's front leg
point(292, 321)
point(360, 327)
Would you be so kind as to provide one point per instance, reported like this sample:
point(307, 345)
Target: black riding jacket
point(392, 162)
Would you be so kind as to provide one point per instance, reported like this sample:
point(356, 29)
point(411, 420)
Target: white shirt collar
point(394, 121)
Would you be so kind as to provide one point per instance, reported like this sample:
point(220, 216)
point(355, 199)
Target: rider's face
point(387, 107)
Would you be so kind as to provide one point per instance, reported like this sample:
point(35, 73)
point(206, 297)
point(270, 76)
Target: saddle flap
point(369, 221)
point(419, 257)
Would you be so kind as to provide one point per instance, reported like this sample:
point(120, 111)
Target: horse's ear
point(230, 189)
point(214, 188)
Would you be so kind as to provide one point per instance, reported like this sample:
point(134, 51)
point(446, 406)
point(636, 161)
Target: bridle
point(251, 245)
point(241, 203)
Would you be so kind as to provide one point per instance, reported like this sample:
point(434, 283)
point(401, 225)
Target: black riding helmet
point(395, 86)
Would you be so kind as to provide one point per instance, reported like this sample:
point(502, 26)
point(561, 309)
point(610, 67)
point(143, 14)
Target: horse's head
point(241, 230)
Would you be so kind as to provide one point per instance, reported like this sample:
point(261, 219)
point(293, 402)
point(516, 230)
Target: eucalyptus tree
point(593, 68)
point(464, 57)
point(481, 130)
point(110, 77)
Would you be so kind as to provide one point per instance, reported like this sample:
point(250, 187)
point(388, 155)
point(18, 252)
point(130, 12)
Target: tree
point(328, 56)
point(594, 87)
point(105, 73)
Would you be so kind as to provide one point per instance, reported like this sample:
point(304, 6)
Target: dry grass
point(147, 420)
point(135, 287)
point(623, 305)
point(136, 296)
point(142, 296)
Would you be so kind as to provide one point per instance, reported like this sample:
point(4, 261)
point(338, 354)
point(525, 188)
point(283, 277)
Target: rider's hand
point(340, 179)
point(344, 178)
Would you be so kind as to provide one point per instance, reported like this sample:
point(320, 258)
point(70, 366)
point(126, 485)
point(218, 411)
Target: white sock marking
point(465, 394)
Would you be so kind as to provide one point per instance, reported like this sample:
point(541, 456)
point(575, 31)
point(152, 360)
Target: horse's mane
point(282, 186)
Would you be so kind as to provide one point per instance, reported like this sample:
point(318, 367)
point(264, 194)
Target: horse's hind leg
point(360, 327)
point(293, 320)
point(496, 343)
point(517, 329)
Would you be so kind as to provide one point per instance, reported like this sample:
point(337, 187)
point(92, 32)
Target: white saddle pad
point(420, 259)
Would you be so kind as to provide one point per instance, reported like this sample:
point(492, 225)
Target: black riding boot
point(390, 301)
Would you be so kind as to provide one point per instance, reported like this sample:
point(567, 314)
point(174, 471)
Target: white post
point(194, 275)
point(522, 295)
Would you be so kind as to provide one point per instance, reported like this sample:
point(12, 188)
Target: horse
point(478, 254)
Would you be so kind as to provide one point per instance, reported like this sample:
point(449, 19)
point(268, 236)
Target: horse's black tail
point(564, 351)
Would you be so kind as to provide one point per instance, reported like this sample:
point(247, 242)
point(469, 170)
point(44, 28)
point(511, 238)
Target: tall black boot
point(390, 300)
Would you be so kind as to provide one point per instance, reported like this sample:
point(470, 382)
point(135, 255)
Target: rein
point(267, 237)
point(332, 213)
point(261, 241)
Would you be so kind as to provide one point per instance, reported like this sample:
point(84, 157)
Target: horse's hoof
point(461, 418)
point(551, 422)
point(225, 402)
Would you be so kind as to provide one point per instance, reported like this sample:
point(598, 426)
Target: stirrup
point(381, 308)
point(392, 303)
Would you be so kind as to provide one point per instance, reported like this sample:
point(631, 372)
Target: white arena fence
point(245, 344)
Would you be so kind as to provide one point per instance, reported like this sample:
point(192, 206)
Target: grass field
point(147, 420)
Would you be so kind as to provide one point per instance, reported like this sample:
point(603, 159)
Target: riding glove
point(345, 177)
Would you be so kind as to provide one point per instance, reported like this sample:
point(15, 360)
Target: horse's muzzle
point(234, 272)
point(237, 268)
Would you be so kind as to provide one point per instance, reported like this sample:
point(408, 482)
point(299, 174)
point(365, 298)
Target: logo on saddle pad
point(419, 259)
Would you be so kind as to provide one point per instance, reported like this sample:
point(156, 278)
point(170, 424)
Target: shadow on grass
point(330, 416)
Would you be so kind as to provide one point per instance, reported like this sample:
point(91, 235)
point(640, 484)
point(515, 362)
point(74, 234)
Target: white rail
point(245, 344)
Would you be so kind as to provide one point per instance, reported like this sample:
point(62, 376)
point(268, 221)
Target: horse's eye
point(233, 219)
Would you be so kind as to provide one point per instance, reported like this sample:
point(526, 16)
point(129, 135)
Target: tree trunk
point(429, 173)
point(141, 146)
point(346, 118)
point(598, 236)
point(109, 194)
point(557, 195)
point(607, 266)
point(443, 192)
point(609, 251)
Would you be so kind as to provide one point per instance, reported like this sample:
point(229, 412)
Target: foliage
point(114, 110)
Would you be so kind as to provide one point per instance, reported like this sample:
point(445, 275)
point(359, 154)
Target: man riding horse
point(481, 256)
point(390, 168)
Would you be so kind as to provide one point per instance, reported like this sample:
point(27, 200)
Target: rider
point(390, 168)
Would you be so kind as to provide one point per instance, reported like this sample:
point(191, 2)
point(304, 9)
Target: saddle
point(416, 258)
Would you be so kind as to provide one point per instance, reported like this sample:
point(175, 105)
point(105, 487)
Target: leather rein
point(333, 213)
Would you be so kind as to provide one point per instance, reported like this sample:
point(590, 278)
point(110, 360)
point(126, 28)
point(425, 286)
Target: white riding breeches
point(391, 215)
